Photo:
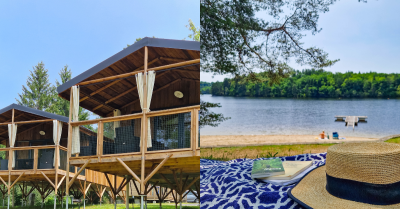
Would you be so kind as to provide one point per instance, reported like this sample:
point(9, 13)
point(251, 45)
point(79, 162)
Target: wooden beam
point(54, 186)
point(152, 186)
point(157, 168)
point(98, 90)
point(16, 180)
point(179, 64)
point(88, 187)
point(114, 98)
point(155, 91)
point(137, 115)
point(109, 183)
point(122, 94)
point(4, 183)
point(168, 182)
point(59, 183)
point(27, 122)
point(173, 59)
point(114, 82)
point(129, 170)
point(69, 142)
point(77, 173)
point(194, 181)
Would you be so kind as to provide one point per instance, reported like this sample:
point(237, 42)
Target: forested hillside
point(313, 84)
point(205, 87)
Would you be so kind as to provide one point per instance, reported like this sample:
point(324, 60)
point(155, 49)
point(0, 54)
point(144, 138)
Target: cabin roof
point(103, 98)
point(31, 114)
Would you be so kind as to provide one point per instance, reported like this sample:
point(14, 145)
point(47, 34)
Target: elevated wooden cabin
point(110, 89)
point(35, 160)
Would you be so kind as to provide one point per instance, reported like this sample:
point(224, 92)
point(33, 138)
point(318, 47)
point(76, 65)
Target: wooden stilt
point(127, 195)
point(162, 194)
point(100, 192)
point(67, 185)
point(25, 192)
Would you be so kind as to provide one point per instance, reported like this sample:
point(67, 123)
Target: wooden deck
point(351, 121)
point(127, 125)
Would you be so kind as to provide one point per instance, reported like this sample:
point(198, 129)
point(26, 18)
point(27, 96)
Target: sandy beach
point(255, 140)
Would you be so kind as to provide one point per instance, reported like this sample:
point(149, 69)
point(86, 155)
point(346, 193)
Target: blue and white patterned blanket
point(229, 185)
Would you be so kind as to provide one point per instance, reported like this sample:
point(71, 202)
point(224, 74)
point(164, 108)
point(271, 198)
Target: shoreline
point(211, 141)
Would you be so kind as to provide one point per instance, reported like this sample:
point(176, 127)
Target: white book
point(292, 169)
point(291, 181)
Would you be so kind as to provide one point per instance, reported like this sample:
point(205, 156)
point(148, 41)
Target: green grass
point(266, 151)
point(111, 206)
point(394, 140)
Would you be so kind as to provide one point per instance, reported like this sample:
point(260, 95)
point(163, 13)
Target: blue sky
point(364, 36)
point(79, 34)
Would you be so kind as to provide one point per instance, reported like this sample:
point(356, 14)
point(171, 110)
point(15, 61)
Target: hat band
point(376, 194)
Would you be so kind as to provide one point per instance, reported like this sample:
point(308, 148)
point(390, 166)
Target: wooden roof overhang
point(105, 95)
point(25, 117)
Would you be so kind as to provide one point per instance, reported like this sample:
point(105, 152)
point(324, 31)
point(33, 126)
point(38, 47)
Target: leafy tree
point(234, 40)
point(38, 90)
point(208, 118)
point(136, 40)
point(313, 83)
point(195, 35)
point(60, 106)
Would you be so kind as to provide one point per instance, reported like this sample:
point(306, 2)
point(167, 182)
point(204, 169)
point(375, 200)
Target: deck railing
point(33, 158)
point(172, 130)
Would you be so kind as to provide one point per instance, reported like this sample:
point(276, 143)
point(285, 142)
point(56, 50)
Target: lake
point(284, 116)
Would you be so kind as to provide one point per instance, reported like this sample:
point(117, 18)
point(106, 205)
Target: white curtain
point(151, 76)
point(139, 84)
point(75, 149)
point(12, 133)
point(57, 128)
point(117, 124)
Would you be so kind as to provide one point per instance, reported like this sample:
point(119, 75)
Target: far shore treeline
point(309, 84)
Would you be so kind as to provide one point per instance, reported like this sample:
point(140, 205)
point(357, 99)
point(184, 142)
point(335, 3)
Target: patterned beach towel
point(229, 185)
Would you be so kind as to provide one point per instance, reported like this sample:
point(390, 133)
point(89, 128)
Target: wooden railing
point(104, 138)
point(32, 159)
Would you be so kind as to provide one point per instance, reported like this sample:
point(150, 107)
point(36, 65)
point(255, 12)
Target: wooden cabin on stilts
point(34, 154)
point(157, 148)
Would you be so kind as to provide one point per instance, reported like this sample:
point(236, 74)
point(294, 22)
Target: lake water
point(283, 116)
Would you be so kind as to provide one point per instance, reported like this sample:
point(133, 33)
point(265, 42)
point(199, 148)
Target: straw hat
point(356, 175)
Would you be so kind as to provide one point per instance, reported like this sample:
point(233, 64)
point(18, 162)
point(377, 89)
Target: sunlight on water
point(282, 116)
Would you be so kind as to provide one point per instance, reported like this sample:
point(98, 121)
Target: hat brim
point(310, 192)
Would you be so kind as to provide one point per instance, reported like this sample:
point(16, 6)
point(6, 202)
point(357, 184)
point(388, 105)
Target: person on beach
point(322, 135)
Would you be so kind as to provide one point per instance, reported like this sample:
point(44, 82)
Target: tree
point(195, 35)
point(37, 93)
point(60, 106)
point(136, 40)
point(234, 40)
point(208, 118)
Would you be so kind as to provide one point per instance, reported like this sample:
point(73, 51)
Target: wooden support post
point(127, 195)
point(144, 125)
point(35, 159)
point(10, 159)
point(115, 192)
point(100, 137)
point(67, 185)
point(56, 165)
